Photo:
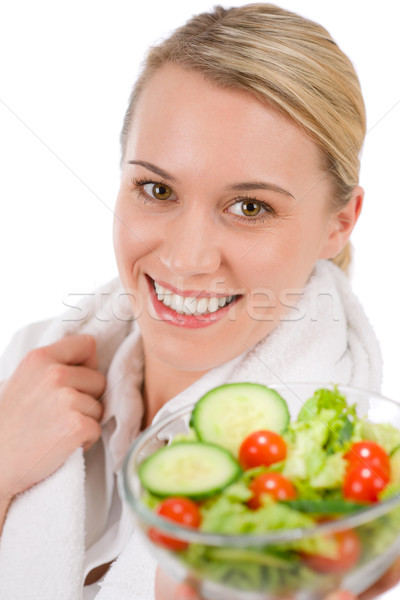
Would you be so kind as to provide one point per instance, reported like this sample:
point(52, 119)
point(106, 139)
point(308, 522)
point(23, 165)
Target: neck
point(163, 382)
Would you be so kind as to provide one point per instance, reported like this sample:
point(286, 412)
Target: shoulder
point(105, 313)
point(25, 339)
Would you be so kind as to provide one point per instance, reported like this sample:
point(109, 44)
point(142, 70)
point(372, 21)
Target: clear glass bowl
point(224, 571)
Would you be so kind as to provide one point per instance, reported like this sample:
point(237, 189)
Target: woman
point(239, 191)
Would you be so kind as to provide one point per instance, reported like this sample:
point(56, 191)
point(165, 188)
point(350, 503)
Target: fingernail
point(341, 595)
point(185, 592)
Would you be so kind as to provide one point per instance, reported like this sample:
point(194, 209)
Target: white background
point(65, 75)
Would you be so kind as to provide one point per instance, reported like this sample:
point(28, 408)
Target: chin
point(199, 359)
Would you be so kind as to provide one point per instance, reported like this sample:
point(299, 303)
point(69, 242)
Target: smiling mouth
point(191, 305)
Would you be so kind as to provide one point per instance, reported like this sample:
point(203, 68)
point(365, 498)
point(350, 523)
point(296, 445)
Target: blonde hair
point(285, 60)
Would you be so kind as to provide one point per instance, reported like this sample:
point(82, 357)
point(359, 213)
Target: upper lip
point(192, 293)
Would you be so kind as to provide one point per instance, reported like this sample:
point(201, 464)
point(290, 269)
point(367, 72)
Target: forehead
point(182, 119)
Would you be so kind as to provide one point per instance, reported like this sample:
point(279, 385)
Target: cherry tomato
point(274, 484)
point(348, 554)
point(363, 484)
point(262, 448)
point(180, 510)
point(368, 454)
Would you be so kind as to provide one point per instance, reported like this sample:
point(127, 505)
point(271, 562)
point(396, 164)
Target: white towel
point(335, 345)
point(41, 547)
point(326, 337)
point(42, 544)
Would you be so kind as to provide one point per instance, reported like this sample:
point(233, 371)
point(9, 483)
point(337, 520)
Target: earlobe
point(342, 224)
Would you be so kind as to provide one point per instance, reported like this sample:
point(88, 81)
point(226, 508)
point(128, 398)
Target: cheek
point(128, 249)
point(120, 235)
point(269, 261)
point(118, 226)
point(116, 234)
point(278, 267)
point(130, 236)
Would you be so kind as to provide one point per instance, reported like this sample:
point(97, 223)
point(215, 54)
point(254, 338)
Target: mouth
point(194, 304)
point(190, 305)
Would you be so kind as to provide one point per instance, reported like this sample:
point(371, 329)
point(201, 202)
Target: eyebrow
point(236, 187)
point(153, 168)
point(259, 185)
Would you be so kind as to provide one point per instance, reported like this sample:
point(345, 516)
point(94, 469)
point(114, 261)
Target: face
point(221, 215)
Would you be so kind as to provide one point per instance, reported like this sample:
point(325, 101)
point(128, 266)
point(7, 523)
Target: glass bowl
point(250, 567)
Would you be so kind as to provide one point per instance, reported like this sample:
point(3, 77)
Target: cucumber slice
point(227, 414)
point(192, 469)
point(395, 466)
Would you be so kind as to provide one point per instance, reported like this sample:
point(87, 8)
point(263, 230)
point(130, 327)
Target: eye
point(247, 207)
point(250, 208)
point(251, 211)
point(160, 191)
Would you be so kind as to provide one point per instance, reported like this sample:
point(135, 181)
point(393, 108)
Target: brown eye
point(161, 191)
point(251, 209)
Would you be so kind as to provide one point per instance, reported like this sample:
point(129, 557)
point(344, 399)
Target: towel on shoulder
point(325, 337)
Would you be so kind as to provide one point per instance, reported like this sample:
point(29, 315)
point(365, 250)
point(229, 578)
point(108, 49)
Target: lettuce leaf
point(308, 459)
point(229, 517)
point(323, 398)
point(383, 434)
point(340, 420)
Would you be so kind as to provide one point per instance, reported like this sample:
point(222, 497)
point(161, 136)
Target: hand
point(167, 589)
point(389, 580)
point(48, 408)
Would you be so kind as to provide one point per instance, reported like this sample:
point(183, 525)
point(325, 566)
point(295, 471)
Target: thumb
point(341, 595)
point(186, 592)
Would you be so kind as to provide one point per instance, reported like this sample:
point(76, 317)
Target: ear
point(342, 224)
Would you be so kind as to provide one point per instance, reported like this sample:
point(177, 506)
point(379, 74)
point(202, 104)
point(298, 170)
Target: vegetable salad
point(245, 469)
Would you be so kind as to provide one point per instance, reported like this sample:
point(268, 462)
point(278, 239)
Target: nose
point(190, 246)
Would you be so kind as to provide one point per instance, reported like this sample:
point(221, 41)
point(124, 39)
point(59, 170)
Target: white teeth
point(167, 299)
point(190, 305)
point(202, 306)
point(177, 303)
point(159, 290)
point(213, 305)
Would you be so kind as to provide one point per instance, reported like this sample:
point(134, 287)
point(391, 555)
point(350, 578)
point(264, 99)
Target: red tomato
point(274, 484)
point(262, 448)
point(368, 454)
point(349, 551)
point(180, 510)
point(363, 484)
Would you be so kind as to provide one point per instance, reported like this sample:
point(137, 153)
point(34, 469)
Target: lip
point(168, 315)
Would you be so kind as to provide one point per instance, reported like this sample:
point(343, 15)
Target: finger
point(340, 595)
point(389, 579)
point(166, 588)
point(89, 406)
point(70, 401)
point(186, 592)
point(75, 350)
point(89, 432)
point(83, 379)
point(163, 585)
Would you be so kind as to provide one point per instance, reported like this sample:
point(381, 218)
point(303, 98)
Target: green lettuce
point(383, 434)
point(315, 463)
point(307, 458)
point(330, 406)
point(231, 517)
